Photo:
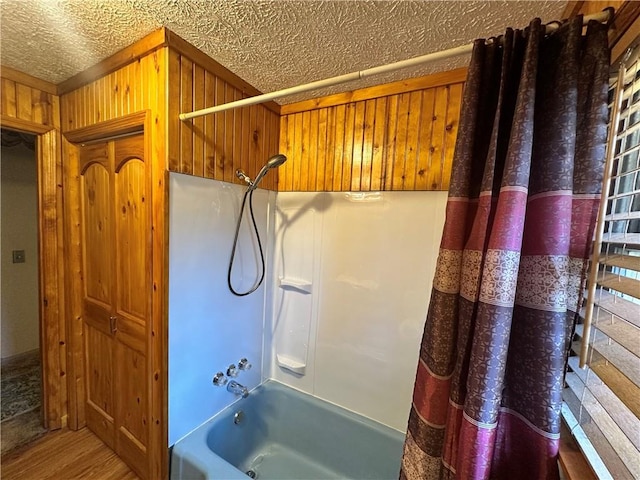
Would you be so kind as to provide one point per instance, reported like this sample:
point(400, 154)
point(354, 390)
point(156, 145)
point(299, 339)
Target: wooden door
point(116, 251)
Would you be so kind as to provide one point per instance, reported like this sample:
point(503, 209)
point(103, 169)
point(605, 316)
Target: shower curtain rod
point(603, 16)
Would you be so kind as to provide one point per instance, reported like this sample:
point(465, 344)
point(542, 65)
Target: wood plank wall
point(27, 103)
point(129, 89)
point(31, 105)
point(215, 145)
point(398, 136)
point(135, 87)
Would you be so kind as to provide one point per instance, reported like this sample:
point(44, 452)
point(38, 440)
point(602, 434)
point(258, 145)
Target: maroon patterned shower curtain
point(527, 174)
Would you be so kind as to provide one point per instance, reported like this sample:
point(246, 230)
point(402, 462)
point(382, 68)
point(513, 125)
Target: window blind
point(602, 400)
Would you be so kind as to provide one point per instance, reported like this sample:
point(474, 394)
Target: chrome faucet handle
point(244, 364)
point(232, 371)
point(219, 379)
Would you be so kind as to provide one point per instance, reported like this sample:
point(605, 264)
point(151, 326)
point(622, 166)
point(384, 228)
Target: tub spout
point(237, 389)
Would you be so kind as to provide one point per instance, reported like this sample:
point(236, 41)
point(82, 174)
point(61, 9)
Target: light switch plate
point(18, 256)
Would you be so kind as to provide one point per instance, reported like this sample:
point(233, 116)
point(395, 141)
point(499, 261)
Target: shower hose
point(249, 193)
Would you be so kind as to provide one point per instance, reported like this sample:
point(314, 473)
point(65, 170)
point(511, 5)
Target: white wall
point(19, 230)
point(209, 328)
point(369, 259)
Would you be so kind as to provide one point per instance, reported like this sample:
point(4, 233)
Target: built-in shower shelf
point(295, 284)
point(291, 364)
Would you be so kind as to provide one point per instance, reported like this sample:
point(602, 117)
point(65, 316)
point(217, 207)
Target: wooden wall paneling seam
point(312, 152)
point(23, 102)
point(75, 115)
point(274, 141)
point(236, 160)
point(401, 141)
point(272, 138)
point(173, 110)
point(284, 148)
point(391, 122)
point(349, 137)
point(209, 127)
point(367, 145)
point(121, 75)
point(8, 98)
point(197, 124)
point(229, 128)
point(267, 144)
point(378, 142)
point(356, 155)
point(331, 141)
point(135, 78)
point(304, 159)
point(254, 153)
point(244, 139)
point(297, 152)
point(290, 144)
point(339, 146)
point(37, 105)
point(216, 134)
point(321, 152)
point(90, 105)
point(413, 140)
point(425, 134)
point(264, 150)
point(451, 132)
point(434, 179)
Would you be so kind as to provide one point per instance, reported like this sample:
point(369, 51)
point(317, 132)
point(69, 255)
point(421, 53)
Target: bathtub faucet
point(237, 389)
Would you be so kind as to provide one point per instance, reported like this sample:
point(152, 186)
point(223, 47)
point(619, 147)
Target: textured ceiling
point(270, 44)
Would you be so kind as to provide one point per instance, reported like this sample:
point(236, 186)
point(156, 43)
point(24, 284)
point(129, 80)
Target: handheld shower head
point(273, 162)
point(276, 161)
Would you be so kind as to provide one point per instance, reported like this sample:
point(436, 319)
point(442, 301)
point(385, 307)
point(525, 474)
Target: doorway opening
point(21, 416)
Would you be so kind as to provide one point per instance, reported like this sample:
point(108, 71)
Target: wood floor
point(65, 455)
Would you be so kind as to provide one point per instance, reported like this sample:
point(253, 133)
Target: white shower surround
point(368, 260)
point(370, 266)
point(210, 328)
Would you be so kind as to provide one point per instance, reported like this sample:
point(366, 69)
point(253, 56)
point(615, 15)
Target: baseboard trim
point(19, 358)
